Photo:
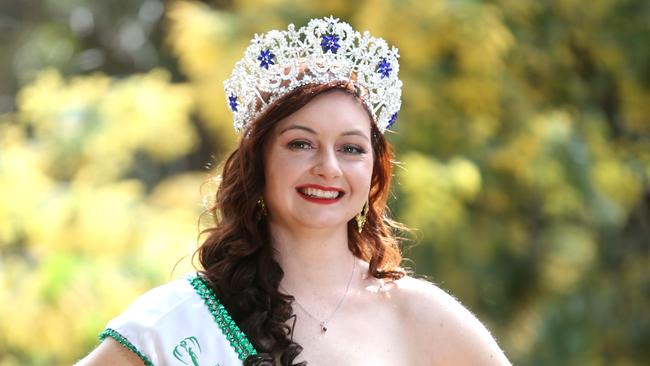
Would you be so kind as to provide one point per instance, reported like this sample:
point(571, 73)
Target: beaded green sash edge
point(235, 336)
point(108, 332)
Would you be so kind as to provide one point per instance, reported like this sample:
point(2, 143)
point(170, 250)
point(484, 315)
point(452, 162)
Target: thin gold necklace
point(323, 323)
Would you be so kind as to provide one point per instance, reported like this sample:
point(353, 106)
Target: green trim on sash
point(108, 332)
point(235, 336)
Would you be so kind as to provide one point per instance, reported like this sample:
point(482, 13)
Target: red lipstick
point(320, 200)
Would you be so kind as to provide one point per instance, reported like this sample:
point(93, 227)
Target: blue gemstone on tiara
point(232, 102)
point(330, 42)
point(384, 68)
point(266, 58)
point(392, 120)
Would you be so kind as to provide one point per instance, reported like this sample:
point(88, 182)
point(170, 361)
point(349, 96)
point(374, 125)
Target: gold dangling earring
point(260, 202)
point(362, 216)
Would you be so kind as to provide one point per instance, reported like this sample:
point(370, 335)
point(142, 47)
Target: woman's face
point(318, 164)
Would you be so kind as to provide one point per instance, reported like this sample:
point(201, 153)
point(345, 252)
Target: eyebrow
point(305, 128)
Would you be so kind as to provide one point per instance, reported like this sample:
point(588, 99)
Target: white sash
point(178, 324)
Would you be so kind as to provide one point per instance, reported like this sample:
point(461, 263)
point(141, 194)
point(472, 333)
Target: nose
point(326, 164)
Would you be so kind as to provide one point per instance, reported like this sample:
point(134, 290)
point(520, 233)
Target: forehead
point(334, 111)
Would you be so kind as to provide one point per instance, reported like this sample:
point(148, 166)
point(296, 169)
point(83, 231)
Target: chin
point(324, 224)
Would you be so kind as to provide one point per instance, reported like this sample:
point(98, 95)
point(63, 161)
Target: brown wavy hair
point(237, 255)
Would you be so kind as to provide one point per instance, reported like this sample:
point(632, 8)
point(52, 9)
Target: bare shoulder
point(443, 330)
point(110, 352)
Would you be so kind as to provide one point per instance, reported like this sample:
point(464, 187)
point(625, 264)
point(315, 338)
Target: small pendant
point(323, 327)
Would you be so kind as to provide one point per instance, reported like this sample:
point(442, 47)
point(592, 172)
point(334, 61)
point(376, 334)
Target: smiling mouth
point(319, 194)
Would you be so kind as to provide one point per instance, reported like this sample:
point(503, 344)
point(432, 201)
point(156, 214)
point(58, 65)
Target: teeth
point(313, 192)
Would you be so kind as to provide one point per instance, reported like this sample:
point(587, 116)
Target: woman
point(302, 263)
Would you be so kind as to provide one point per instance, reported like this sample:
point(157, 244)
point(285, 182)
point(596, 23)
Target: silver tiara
point(326, 50)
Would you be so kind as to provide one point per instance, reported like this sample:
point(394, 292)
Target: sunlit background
point(524, 138)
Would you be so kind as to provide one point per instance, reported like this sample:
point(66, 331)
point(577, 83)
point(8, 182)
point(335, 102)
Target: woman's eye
point(299, 145)
point(353, 149)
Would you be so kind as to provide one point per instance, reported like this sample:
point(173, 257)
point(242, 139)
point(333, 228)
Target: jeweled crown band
point(324, 51)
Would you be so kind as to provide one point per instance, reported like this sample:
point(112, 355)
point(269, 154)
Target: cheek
point(363, 176)
point(275, 178)
point(280, 172)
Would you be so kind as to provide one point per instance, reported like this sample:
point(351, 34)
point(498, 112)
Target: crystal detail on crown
point(232, 102)
point(324, 51)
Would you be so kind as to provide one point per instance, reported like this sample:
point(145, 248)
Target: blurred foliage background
point(524, 137)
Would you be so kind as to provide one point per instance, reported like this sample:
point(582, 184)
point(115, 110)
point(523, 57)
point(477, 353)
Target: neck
point(315, 262)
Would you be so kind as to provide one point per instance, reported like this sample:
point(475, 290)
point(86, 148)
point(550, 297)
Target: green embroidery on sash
point(235, 336)
point(186, 348)
point(108, 332)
